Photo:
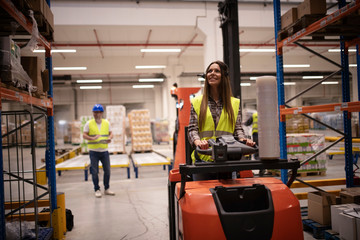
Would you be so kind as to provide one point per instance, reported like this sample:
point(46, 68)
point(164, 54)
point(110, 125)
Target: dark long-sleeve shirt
point(215, 109)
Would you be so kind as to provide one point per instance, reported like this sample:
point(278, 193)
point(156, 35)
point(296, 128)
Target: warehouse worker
point(215, 112)
point(98, 133)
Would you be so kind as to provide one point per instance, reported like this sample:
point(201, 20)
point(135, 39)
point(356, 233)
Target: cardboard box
point(9, 59)
point(319, 207)
point(289, 17)
point(335, 212)
point(347, 227)
point(311, 7)
point(41, 7)
point(350, 195)
point(33, 67)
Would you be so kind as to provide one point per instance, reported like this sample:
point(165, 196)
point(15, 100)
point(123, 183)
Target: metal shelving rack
point(44, 104)
point(346, 106)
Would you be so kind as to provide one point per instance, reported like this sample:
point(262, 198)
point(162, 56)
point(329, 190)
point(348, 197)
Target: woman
point(216, 112)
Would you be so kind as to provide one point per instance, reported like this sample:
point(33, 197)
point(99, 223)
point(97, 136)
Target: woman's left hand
point(248, 142)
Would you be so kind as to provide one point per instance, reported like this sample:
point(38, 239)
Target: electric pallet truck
point(227, 208)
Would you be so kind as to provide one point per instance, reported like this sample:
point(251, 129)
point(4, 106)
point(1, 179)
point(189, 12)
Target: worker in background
point(216, 112)
point(98, 133)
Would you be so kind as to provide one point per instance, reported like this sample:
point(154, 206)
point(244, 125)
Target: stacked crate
point(141, 137)
point(76, 133)
point(303, 146)
point(116, 116)
point(160, 130)
point(83, 142)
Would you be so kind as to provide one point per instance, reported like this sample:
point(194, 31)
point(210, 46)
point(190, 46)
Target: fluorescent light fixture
point(56, 50)
point(253, 78)
point(296, 65)
point(143, 86)
point(353, 65)
point(90, 87)
point(150, 67)
point(338, 50)
point(90, 81)
point(257, 50)
point(289, 83)
point(312, 77)
point(62, 122)
point(330, 83)
point(70, 68)
point(151, 79)
point(245, 84)
point(200, 79)
point(155, 50)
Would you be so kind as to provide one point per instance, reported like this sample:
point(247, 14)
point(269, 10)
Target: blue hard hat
point(98, 108)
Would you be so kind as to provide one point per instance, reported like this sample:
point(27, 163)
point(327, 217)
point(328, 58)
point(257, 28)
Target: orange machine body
point(198, 218)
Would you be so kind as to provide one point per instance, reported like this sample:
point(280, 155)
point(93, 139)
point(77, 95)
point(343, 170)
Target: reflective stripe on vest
point(255, 123)
point(224, 127)
point(94, 130)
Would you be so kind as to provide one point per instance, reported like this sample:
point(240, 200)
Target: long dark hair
point(224, 91)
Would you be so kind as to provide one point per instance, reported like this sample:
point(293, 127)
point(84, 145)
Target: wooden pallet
point(301, 23)
point(301, 174)
point(317, 230)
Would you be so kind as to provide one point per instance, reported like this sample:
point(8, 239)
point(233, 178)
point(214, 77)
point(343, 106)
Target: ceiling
point(113, 46)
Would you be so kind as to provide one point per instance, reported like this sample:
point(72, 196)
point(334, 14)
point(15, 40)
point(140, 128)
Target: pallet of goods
point(75, 131)
point(83, 142)
point(141, 137)
point(116, 116)
point(304, 145)
point(160, 131)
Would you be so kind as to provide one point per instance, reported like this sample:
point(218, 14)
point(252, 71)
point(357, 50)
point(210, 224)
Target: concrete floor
point(139, 210)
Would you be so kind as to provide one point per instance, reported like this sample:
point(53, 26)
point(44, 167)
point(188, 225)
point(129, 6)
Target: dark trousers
point(104, 158)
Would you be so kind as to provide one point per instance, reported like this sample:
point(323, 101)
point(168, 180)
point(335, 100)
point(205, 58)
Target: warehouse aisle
point(139, 210)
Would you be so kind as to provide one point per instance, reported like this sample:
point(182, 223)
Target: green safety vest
point(224, 127)
point(94, 130)
point(255, 123)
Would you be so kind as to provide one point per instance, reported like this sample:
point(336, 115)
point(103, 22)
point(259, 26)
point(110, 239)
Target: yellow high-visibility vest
point(224, 127)
point(255, 123)
point(94, 130)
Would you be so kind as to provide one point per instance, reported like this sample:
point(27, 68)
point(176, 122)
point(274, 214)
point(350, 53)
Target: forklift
point(236, 207)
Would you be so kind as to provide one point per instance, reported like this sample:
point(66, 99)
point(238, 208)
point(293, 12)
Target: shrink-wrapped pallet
point(160, 131)
point(83, 144)
point(303, 146)
point(116, 116)
point(141, 137)
point(75, 132)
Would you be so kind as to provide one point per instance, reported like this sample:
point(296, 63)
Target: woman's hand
point(247, 141)
point(202, 144)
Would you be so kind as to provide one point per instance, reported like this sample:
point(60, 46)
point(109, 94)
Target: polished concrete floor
point(139, 210)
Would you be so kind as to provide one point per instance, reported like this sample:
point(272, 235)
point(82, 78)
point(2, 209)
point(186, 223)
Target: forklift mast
point(228, 11)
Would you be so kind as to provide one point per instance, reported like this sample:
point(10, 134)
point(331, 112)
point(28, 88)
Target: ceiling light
point(70, 68)
point(253, 78)
point(143, 86)
point(90, 87)
point(330, 83)
point(296, 65)
point(289, 83)
point(257, 50)
point(312, 77)
point(174, 50)
point(338, 50)
point(151, 79)
point(245, 84)
point(90, 81)
point(201, 79)
point(150, 67)
point(56, 50)
point(353, 65)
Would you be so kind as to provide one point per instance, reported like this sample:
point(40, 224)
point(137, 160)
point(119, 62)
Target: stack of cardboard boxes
point(75, 132)
point(116, 116)
point(341, 212)
point(141, 137)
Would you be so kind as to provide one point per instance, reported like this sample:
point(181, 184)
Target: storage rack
point(346, 106)
point(43, 104)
